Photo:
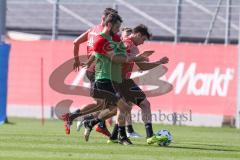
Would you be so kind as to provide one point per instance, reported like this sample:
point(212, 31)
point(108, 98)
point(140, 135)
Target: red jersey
point(92, 33)
point(132, 50)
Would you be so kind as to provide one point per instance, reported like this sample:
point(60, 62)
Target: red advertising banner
point(204, 77)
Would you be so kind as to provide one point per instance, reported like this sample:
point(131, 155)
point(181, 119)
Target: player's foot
point(155, 139)
point(88, 128)
point(103, 130)
point(67, 123)
point(133, 135)
point(80, 121)
point(124, 141)
point(112, 141)
point(79, 125)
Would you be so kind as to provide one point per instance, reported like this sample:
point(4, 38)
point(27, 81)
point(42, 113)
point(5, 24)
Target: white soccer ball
point(166, 133)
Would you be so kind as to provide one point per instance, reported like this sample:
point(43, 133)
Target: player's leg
point(87, 109)
point(82, 119)
point(90, 123)
point(69, 117)
point(101, 127)
point(123, 110)
point(114, 135)
point(147, 119)
point(102, 90)
point(125, 92)
point(130, 131)
point(138, 97)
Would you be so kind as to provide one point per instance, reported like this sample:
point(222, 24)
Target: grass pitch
point(27, 139)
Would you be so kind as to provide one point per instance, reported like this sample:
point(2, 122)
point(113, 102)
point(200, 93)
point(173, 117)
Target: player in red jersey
point(89, 37)
point(131, 91)
point(126, 31)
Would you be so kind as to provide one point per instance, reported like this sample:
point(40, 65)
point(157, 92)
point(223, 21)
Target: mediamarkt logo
point(200, 84)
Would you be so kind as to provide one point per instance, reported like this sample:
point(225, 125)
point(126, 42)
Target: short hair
point(126, 29)
point(143, 30)
point(112, 18)
point(107, 11)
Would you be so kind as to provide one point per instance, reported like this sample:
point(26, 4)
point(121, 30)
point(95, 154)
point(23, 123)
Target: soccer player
point(104, 77)
point(129, 90)
point(126, 31)
point(130, 131)
point(88, 36)
point(109, 55)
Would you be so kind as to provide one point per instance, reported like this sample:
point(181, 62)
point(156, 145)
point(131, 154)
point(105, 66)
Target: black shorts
point(131, 92)
point(107, 90)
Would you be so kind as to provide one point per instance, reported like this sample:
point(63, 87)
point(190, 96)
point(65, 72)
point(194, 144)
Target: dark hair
point(127, 29)
point(112, 18)
point(143, 30)
point(107, 11)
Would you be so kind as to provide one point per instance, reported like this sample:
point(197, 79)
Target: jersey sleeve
point(99, 45)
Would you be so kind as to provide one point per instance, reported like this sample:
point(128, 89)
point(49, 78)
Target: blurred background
point(205, 21)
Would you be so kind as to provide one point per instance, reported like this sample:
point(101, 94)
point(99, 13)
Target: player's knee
point(123, 106)
point(145, 104)
point(100, 103)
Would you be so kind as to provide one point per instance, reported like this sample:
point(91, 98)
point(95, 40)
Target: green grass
point(28, 139)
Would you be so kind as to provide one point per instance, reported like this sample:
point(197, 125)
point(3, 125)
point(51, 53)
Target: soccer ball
point(166, 133)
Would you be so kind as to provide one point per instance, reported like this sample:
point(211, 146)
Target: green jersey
point(105, 68)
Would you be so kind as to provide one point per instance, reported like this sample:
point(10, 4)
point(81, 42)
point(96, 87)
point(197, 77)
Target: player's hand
point(164, 60)
point(76, 65)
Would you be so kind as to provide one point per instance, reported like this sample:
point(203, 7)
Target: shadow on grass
point(211, 145)
point(9, 123)
point(206, 149)
point(203, 147)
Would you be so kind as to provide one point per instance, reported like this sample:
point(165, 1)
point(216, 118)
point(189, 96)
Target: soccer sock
point(88, 117)
point(94, 121)
point(149, 130)
point(130, 129)
point(114, 134)
point(102, 124)
point(74, 115)
point(122, 132)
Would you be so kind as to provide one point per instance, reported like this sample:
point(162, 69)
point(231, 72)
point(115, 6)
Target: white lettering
point(200, 84)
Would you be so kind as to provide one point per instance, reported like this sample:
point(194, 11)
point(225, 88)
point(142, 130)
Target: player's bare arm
point(79, 40)
point(90, 60)
point(119, 58)
point(147, 66)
